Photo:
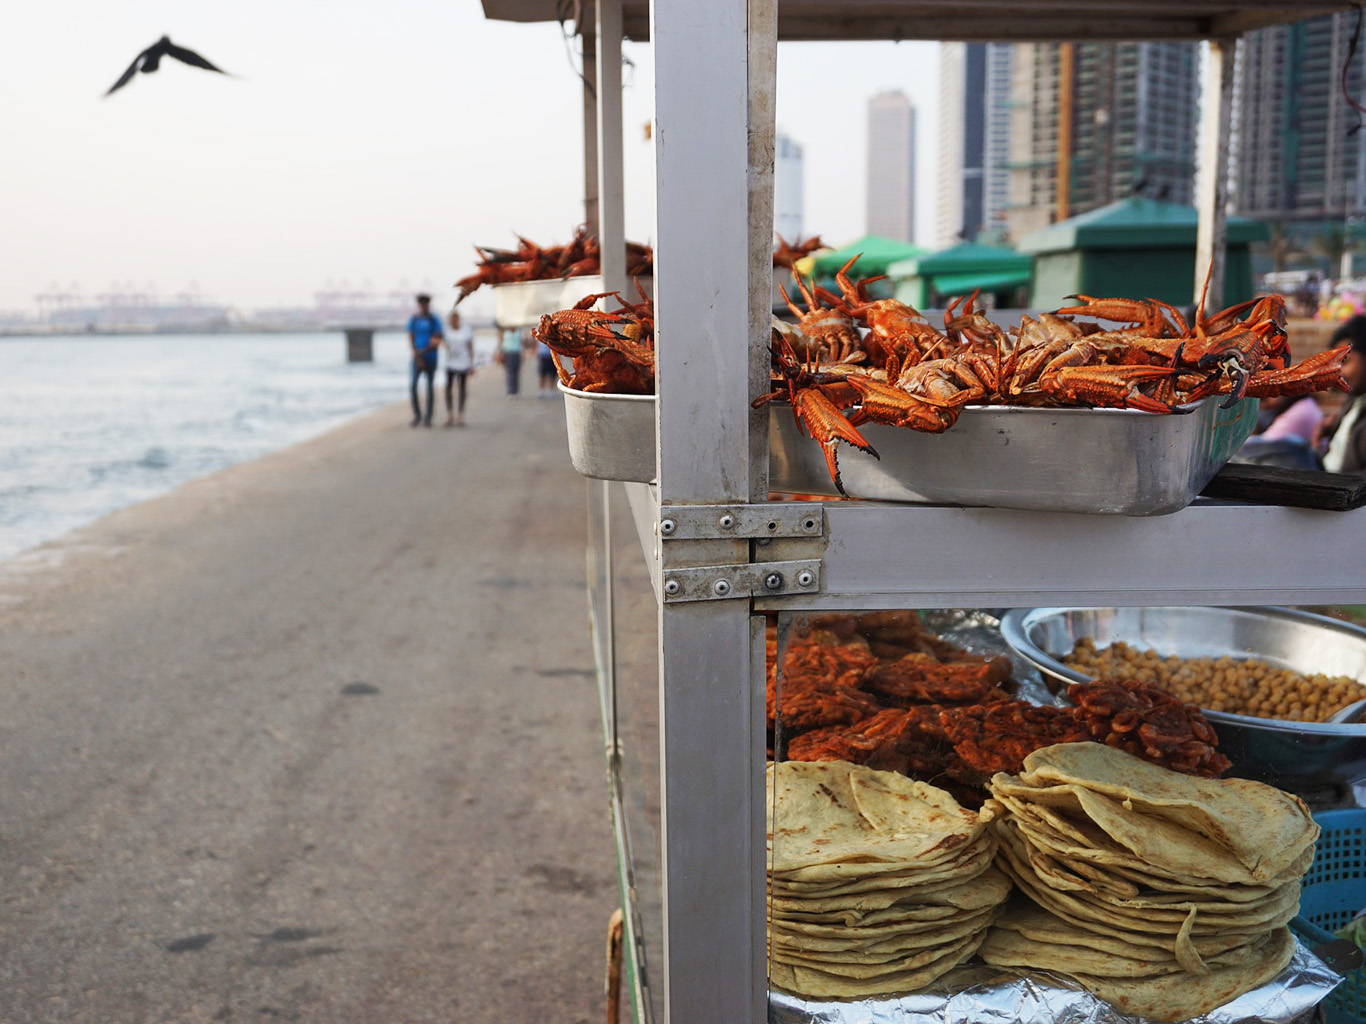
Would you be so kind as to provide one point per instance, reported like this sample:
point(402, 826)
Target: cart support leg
point(614, 933)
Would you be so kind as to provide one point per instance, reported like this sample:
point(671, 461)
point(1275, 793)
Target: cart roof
point(986, 20)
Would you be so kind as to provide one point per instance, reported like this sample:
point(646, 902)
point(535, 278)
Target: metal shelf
point(876, 555)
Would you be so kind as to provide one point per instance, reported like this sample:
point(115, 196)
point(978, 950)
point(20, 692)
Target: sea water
point(92, 424)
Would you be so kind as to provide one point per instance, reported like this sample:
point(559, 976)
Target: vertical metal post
point(588, 37)
point(701, 233)
point(1212, 189)
point(711, 734)
point(763, 87)
point(611, 190)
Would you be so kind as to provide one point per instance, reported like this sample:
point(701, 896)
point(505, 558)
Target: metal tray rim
point(1016, 622)
point(602, 396)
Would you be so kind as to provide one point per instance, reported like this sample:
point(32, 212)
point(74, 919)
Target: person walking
point(545, 361)
point(510, 355)
point(458, 352)
point(425, 337)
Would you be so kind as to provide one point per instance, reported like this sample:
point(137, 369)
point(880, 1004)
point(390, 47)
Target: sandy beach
point(313, 739)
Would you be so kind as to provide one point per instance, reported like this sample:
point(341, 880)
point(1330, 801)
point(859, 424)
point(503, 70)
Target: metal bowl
point(1117, 461)
point(1303, 756)
point(611, 437)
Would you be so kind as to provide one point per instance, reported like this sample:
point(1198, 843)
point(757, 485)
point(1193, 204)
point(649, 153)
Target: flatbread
point(1178, 997)
point(881, 939)
point(833, 812)
point(877, 884)
point(1264, 828)
point(985, 889)
point(820, 983)
point(838, 879)
point(1007, 948)
point(1153, 906)
point(1040, 926)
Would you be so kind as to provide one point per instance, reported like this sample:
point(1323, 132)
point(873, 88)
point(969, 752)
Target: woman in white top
point(458, 352)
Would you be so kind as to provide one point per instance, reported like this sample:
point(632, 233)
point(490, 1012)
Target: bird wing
point(132, 70)
point(190, 57)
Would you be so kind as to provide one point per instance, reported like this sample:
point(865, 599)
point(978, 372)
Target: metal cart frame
point(712, 546)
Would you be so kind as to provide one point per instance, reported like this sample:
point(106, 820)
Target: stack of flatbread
point(1165, 895)
point(877, 884)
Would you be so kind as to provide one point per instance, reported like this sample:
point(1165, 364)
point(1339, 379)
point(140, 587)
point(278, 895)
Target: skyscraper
point(787, 188)
point(974, 140)
point(1296, 156)
point(891, 166)
point(1099, 122)
point(996, 120)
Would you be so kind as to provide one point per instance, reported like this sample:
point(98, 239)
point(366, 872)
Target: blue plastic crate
point(1334, 892)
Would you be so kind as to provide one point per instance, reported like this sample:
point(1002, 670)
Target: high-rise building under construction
point(974, 141)
point(1098, 122)
point(1297, 153)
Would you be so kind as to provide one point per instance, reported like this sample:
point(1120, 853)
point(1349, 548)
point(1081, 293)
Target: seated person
point(1289, 416)
point(1345, 432)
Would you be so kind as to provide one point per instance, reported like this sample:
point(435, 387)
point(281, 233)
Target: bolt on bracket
point(749, 579)
point(741, 522)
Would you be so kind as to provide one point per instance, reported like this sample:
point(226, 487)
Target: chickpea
point(1240, 686)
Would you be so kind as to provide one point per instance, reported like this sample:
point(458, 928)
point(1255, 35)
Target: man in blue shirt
point(425, 336)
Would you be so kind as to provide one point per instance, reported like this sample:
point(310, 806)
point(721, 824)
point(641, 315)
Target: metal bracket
point(740, 522)
point(751, 579)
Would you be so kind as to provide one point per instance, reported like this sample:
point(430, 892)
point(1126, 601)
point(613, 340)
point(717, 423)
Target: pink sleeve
point(1297, 421)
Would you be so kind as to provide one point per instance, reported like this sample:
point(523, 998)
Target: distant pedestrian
point(510, 355)
point(545, 360)
point(458, 352)
point(425, 337)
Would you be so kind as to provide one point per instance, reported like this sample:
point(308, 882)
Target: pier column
point(360, 345)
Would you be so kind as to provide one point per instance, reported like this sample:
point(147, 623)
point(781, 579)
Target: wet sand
point(312, 739)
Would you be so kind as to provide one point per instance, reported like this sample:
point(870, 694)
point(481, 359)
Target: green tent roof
point(966, 267)
point(964, 258)
point(1134, 223)
point(950, 285)
point(877, 253)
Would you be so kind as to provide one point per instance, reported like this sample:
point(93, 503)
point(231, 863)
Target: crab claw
point(1230, 361)
point(822, 419)
point(1239, 377)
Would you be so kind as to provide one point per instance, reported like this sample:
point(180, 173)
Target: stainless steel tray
point(1062, 460)
point(523, 303)
point(1296, 755)
point(611, 437)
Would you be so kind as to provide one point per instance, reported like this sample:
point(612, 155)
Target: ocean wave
point(148, 414)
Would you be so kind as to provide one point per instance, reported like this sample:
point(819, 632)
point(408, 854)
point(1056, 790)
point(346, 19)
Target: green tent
point(926, 281)
point(877, 253)
point(1134, 249)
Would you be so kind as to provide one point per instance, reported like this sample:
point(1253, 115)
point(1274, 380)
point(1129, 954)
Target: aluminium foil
point(978, 994)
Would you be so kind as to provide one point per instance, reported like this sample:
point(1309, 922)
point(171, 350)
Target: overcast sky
point(364, 142)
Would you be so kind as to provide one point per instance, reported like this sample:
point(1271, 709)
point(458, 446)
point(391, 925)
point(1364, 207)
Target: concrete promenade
point(313, 739)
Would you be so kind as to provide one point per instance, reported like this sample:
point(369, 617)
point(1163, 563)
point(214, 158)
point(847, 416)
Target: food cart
point(681, 569)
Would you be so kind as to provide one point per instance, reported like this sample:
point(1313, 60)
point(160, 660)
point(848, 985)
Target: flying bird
point(150, 59)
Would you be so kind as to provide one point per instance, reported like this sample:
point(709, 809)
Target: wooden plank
point(1290, 488)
